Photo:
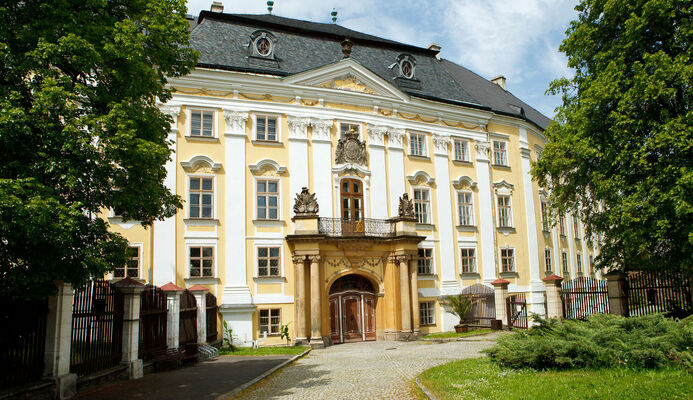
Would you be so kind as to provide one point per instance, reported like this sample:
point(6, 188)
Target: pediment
point(347, 75)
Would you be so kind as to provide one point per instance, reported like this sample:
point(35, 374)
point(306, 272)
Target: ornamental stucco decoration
point(235, 121)
point(406, 206)
point(350, 150)
point(171, 110)
point(376, 134)
point(483, 151)
point(395, 137)
point(306, 203)
point(440, 143)
point(321, 128)
point(298, 127)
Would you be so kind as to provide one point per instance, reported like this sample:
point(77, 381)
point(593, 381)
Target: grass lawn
point(481, 379)
point(446, 335)
point(263, 351)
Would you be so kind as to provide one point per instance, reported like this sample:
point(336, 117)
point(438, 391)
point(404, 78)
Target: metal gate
point(211, 316)
point(516, 309)
point(188, 324)
point(153, 315)
point(22, 340)
point(484, 305)
point(584, 296)
point(665, 291)
point(97, 328)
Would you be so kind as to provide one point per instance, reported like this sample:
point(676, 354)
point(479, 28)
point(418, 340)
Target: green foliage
point(263, 351)
point(450, 335)
point(81, 132)
point(479, 378)
point(621, 146)
point(227, 338)
point(602, 341)
point(284, 331)
point(458, 304)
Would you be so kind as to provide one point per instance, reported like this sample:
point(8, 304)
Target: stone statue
point(351, 150)
point(306, 203)
point(406, 206)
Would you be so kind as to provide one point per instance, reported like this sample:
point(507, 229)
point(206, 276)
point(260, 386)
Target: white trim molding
point(200, 160)
point(420, 177)
point(464, 181)
point(264, 164)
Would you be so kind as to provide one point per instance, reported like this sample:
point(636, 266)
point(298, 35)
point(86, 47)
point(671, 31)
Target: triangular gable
point(348, 75)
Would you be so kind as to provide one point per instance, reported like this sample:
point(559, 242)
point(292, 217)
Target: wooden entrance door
point(352, 310)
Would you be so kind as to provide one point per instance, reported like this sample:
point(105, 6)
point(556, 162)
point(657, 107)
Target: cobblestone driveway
point(371, 370)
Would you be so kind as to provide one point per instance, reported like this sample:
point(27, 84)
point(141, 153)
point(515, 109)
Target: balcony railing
point(338, 227)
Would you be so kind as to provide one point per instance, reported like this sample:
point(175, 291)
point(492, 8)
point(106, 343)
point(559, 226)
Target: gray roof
point(222, 40)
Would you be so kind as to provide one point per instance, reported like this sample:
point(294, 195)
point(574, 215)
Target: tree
point(620, 150)
point(80, 131)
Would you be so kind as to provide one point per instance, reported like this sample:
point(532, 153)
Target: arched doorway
point(352, 310)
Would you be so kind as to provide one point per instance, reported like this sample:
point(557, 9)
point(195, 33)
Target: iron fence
point(584, 296)
point(663, 291)
point(338, 227)
point(211, 315)
point(188, 324)
point(22, 340)
point(516, 310)
point(97, 328)
point(153, 315)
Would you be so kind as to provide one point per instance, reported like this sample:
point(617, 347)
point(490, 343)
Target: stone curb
point(426, 391)
point(257, 379)
point(458, 339)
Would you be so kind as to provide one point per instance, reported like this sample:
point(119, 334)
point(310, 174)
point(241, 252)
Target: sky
point(518, 39)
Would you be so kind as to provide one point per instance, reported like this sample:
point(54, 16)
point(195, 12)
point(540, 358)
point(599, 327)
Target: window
point(547, 259)
point(465, 209)
point(561, 224)
point(500, 153)
point(504, 212)
point(201, 262)
point(266, 128)
point(508, 260)
point(270, 321)
point(417, 144)
point(263, 46)
point(545, 216)
point(202, 123)
point(421, 205)
point(576, 226)
point(268, 261)
point(267, 199)
point(564, 257)
point(201, 194)
point(461, 148)
point(427, 313)
point(591, 264)
point(425, 261)
point(132, 265)
point(579, 263)
point(468, 257)
point(407, 69)
point(345, 127)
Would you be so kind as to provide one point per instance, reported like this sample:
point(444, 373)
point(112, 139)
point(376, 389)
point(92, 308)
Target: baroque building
point(342, 183)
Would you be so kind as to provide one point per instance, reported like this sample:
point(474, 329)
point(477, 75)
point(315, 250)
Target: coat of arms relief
point(351, 150)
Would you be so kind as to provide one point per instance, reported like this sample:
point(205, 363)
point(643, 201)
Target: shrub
point(602, 341)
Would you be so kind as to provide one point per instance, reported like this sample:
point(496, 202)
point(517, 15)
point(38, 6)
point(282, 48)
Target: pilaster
point(488, 246)
point(322, 164)
point(395, 152)
point(450, 285)
point(298, 153)
point(376, 155)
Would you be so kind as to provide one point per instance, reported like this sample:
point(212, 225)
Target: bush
point(602, 341)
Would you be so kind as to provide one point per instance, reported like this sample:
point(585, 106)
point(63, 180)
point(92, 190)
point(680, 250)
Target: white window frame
point(140, 262)
point(466, 156)
point(215, 258)
point(471, 208)
point(347, 122)
point(423, 149)
point(429, 215)
point(279, 197)
point(576, 226)
point(548, 261)
point(578, 265)
point(269, 316)
point(215, 122)
point(430, 309)
point(561, 225)
point(257, 260)
point(474, 269)
point(506, 162)
point(214, 196)
point(500, 259)
point(545, 222)
point(433, 262)
point(257, 114)
point(565, 262)
point(510, 213)
point(591, 261)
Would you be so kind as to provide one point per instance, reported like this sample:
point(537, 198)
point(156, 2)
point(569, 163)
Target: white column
point(164, 246)
point(298, 153)
point(173, 317)
point(488, 247)
point(58, 338)
point(536, 300)
point(236, 286)
point(322, 165)
point(378, 182)
point(131, 291)
point(395, 168)
point(445, 219)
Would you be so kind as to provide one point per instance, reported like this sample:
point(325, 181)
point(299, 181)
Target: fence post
point(131, 290)
point(500, 289)
point(618, 293)
point(554, 303)
point(59, 341)
point(173, 319)
point(199, 292)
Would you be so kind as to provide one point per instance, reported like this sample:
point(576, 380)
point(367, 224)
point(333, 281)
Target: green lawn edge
point(450, 335)
point(479, 378)
point(263, 351)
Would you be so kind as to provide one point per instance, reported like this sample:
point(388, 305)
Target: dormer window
point(407, 65)
point(262, 44)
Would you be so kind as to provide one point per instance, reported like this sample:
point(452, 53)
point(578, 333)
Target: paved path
point(204, 380)
point(370, 370)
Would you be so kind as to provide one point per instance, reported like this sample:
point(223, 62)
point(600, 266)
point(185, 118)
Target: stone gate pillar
point(200, 293)
point(554, 303)
point(131, 290)
point(59, 341)
point(500, 287)
point(618, 293)
point(173, 318)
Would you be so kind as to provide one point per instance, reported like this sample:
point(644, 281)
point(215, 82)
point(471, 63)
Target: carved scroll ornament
point(306, 203)
point(406, 206)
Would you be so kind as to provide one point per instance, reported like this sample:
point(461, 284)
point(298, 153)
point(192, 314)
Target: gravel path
point(370, 370)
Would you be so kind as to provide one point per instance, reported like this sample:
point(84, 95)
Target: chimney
point(500, 81)
point(435, 47)
point(217, 7)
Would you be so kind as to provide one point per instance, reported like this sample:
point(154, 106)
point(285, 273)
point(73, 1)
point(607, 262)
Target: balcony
point(367, 227)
